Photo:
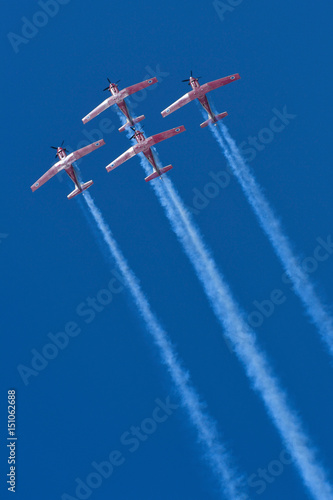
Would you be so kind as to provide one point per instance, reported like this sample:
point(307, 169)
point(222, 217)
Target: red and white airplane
point(65, 163)
point(117, 97)
point(199, 92)
point(144, 146)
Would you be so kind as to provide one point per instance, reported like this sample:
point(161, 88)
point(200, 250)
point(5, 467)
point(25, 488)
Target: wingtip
point(99, 143)
point(86, 119)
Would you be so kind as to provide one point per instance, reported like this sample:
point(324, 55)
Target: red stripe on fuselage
point(205, 104)
point(124, 109)
point(150, 157)
point(72, 174)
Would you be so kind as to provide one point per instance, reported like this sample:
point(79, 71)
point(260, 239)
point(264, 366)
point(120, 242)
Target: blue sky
point(109, 377)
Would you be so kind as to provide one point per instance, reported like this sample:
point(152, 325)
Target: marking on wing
point(177, 130)
point(232, 78)
point(167, 110)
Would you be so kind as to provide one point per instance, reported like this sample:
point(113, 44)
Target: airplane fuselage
point(121, 103)
point(150, 157)
point(145, 149)
point(61, 153)
point(202, 98)
point(114, 89)
point(69, 169)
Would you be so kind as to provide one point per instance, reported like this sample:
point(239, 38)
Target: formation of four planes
point(143, 144)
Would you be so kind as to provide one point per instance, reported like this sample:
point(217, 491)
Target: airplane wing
point(110, 101)
point(121, 159)
point(154, 139)
point(138, 86)
point(207, 87)
point(87, 149)
point(70, 158)
point(48, 175)
point(178, 104)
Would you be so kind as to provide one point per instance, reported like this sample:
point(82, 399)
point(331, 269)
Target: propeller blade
point(187, 80)
point(118, 82)
point(191, 73)
point(53, 147)
point(62, 143)
point(107, 88)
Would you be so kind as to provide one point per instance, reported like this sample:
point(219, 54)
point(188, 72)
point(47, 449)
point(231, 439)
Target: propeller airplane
point(65, 163)
point(117, 97)
point(199, 92)
point(144, 146)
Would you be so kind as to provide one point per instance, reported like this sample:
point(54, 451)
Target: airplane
point(144, 146)
point(117, 97)
point(65, 163)
point(199, 92)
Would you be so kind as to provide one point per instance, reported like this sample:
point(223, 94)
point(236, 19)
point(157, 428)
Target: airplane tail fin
point(127, 124)
point(77, 191)
point(217, 118)
point(158, 174)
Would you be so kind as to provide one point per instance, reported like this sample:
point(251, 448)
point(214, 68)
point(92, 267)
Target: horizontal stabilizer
point(128, 124)
point(217, 118)
point(158, 174)
point(139, 119)
point(82, 188)
point(124, 127)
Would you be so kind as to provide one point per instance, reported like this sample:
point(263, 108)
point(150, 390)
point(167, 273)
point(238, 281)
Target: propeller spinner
point(107, 88)
point(188, 79)
point(64, 149)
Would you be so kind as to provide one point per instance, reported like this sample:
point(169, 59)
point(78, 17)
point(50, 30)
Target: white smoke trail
point(216, 455)
point(282, 246)
point(243, 340)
